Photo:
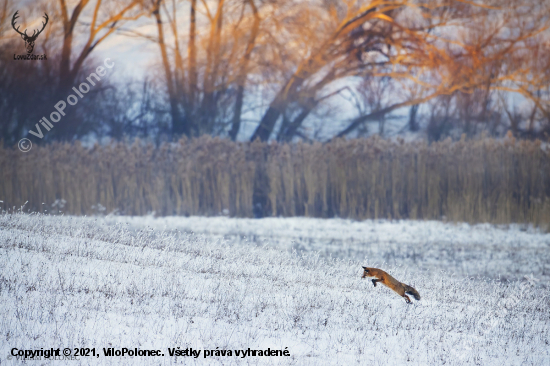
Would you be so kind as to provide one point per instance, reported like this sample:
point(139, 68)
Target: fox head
point(366, 273)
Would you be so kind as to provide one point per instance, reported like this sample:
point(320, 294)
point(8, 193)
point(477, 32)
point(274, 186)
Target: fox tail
point(411, 291)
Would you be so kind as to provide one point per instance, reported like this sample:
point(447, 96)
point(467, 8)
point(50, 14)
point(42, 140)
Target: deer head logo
point(29, 40)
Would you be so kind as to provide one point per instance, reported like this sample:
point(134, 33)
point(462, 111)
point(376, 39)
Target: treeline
point(286, 70)
point(469, 180)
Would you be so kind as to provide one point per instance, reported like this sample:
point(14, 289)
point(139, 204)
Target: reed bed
point(486, 180)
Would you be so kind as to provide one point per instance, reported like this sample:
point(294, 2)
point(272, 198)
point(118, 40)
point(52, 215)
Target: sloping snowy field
point(284, 284)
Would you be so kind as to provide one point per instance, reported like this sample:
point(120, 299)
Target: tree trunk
point(413, 124)
point(292, 128)
point(192, 60)
point(277, 106)
point(66, 75)
point(263, 131)
point(208, 104)
point(241, 80)
point(179, 126)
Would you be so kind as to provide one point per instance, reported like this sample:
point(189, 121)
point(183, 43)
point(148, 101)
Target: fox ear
point(364, 267)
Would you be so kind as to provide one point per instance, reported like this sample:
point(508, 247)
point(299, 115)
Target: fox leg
point(374, 282)
point(407, 299)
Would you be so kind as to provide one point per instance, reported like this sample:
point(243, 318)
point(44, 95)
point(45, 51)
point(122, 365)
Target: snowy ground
point(294, 284)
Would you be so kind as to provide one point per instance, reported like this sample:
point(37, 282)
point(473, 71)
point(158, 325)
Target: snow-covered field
point(284, 284)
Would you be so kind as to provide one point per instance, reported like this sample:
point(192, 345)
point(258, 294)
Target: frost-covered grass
point(239, 284)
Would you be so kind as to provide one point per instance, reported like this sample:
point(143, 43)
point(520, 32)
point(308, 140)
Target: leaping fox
point(386, 279)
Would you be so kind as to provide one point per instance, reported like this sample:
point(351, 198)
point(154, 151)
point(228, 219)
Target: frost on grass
point(152, 284)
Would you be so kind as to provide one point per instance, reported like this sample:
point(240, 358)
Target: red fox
point(391, 282)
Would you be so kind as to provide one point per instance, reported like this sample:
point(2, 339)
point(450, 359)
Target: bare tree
point(84, 26)
point(442, 46)
point(106, 18)
point(206, 93)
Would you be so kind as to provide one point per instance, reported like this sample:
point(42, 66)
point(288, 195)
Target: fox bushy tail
point(411, 291)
